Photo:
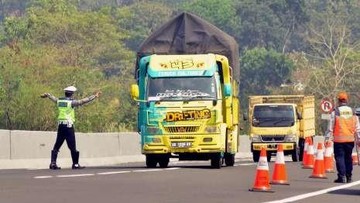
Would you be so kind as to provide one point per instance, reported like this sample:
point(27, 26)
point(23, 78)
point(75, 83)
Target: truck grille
point(272, 138)
point(182, 129)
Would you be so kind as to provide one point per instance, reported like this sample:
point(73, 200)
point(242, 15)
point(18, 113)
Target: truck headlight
point(255, 138)
point(290, 138)
point(211, 129)
point(153, 130)
point(156, 140)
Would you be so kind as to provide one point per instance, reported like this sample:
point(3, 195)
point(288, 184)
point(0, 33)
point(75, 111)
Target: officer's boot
point(340, 179)
point(53, 165)
point(75, 159)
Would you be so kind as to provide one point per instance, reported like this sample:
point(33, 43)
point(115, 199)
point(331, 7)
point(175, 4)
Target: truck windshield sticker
point(185, 63)
point(180, 73)
point(178, 62)
point(188, 115)
point(180, 88)
point(183, 93)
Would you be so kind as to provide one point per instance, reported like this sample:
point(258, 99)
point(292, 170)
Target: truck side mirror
point(134, 91)
point(357, 111)
point(299, 116)
point(245, 117)
point(227, 90)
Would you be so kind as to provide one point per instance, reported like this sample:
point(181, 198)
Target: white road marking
point(312, 194)
point(75, 175)
point(106, 173)
point(42, 177)
point(122, 172)
point(113, 172)
point(147, 170)
point(169, 169)
point(245, 164)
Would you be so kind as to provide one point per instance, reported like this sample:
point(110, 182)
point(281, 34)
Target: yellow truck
point(285, 119)
point(187, 92)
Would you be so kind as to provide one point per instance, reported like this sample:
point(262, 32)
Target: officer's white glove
point(44, 95)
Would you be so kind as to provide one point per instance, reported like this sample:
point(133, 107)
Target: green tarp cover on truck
point(189, 34)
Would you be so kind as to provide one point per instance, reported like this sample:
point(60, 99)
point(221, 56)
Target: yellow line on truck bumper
point(161, 150)
point(272, 146)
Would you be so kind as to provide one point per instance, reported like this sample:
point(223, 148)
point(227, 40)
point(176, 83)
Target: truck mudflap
point(288, 146)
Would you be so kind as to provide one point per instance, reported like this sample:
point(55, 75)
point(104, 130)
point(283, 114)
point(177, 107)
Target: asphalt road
point(181, 182)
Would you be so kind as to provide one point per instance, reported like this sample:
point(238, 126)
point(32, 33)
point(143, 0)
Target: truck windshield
point(182, 88)
point(273, 116)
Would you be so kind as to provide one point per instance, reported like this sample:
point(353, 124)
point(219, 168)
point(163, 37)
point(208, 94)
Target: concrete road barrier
point(31, 149)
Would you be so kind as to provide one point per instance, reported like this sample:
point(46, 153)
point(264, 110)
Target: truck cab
point(280, 119)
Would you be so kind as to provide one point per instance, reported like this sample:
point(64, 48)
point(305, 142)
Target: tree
point(139, 20)
point(262, 70)
point(56, 46)
point(334, 51)
point(260, 27)
point(293, 16)
point(12, 8)
point(221, 13)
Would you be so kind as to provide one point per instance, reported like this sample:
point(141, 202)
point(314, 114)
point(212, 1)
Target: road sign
point(326, 105)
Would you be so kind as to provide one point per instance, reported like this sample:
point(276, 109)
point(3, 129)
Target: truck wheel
point(256, 156)
point(229, 159)
point(295, 155)
point(268, 156)
point(164, 162)
point(151, 161)
point(216, 161)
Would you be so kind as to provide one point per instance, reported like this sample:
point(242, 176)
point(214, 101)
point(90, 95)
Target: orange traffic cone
point(306, 146)
point(329, 157)
point(309, 164)
point(279, 176)
point(262, 183)
point(319, 168)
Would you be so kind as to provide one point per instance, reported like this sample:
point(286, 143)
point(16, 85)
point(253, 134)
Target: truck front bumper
point(205, 143)
point(287, 146)
point(164, 150)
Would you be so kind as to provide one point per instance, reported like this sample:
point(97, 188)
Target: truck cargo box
point(189, 34)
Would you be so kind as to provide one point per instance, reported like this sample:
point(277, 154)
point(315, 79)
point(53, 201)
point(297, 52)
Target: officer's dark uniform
point(66, 119)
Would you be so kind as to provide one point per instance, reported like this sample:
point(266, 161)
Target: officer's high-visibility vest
point(66, 112)
point(345, 124)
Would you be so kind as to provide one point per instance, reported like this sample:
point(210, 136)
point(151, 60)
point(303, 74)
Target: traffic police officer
point(342, 129)
point(66, 119)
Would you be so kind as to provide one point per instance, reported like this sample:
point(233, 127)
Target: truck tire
point(268, 156)
point(164, 161)
point(229, 159)
point(216, 161)
point(256, 156)
point(151, 161)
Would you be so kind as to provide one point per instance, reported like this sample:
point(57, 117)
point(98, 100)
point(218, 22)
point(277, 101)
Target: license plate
point(181, 144)
point(272, 146)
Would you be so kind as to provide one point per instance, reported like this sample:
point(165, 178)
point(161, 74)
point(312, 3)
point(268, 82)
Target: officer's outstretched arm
point(86, 100)
point(48, 95)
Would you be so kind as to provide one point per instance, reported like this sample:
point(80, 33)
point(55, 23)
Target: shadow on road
point(346, 192)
